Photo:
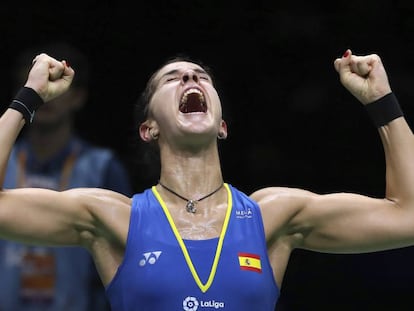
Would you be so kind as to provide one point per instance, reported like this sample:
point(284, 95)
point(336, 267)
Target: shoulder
point(108, 209)
point(271, 195)
point(88, 196)
point(100, 203)
point(281, 204)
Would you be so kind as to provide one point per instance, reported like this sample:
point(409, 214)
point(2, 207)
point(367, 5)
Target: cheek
point(156, 104)
point(161, 109)
point(215, 100)
point(162, 98)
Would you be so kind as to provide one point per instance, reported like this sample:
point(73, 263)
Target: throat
point(199, 231)
point(206, 223)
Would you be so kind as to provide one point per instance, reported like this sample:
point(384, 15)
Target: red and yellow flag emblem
point(250, 262)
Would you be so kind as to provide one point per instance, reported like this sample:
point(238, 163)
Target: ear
point(148, 131)
point(222, 134)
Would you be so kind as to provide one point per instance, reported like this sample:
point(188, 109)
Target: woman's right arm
point(47, 79)
point(39, 215)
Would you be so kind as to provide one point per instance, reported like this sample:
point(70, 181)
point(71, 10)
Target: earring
point(153, 136)
point(221, 136)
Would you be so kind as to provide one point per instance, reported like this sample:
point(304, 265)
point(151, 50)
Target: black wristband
point(384, 110)
point(26, 102)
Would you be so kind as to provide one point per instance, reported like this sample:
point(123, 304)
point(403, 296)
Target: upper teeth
point(191, 91)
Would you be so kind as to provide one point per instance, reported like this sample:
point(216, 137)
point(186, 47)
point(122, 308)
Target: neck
point(191, 203)
point(192, 174)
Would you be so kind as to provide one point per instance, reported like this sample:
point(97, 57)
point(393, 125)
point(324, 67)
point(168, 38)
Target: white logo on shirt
point(242, 214)
point(192, 304)
point(150, 258)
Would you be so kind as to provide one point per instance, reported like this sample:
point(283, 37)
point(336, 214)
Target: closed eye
point(171, 79)
point(205, 78)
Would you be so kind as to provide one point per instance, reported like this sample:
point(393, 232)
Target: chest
point(203, 270)
point(161, 269)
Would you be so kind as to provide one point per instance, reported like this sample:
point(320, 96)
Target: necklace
point(191, 204)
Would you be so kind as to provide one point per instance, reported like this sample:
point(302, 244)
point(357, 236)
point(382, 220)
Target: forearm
point(398, 142)
point(11, 124)
point(48, 78)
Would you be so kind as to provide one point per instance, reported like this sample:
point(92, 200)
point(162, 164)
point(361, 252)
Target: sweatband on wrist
point(26, 102)
point(384, 110)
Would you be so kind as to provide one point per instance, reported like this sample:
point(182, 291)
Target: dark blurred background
point(291, 123)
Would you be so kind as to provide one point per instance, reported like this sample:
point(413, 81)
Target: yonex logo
point(150, 258)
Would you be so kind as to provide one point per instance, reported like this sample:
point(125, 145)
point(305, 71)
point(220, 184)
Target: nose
point(189, 75)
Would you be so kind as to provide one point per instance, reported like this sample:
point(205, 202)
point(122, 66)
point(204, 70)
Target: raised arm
point(344, 222)
point(366, 79)
point(36, 215)
point(47, 79)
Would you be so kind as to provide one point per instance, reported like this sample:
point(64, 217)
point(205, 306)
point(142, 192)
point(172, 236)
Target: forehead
point(175, 67)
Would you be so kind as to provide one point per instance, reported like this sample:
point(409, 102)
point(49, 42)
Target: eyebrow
point(175, 71)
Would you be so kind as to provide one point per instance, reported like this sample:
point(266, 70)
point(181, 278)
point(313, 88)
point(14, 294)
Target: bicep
point(351, 223)
point(336, 223)
point(41, 216)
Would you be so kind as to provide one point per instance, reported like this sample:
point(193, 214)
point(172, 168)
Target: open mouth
point(193, 101)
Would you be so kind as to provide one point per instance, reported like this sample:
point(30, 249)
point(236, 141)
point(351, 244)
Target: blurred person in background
point(50, 154)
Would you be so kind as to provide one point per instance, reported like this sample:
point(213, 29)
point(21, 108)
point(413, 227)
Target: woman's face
point(185, 102)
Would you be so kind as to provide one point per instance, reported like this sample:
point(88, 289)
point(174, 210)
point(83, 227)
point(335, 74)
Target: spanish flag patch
point(250, 262)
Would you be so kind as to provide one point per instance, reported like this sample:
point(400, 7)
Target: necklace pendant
point(190, 206)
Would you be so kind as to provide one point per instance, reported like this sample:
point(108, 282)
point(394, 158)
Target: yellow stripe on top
point(206, 286)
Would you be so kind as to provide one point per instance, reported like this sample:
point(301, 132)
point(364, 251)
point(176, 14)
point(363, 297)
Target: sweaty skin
point(293, 218)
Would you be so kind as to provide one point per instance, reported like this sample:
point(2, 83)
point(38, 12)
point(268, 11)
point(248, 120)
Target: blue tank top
point(161, 271)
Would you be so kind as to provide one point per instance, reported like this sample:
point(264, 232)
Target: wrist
point(384, 110)
point(26, 101)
